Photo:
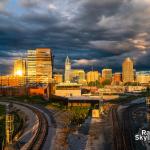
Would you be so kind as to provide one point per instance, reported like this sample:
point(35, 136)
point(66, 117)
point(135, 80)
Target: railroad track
point(37, 142)
point(127, 130)
point(41, 134)
point(117, 134)
point(122, 134)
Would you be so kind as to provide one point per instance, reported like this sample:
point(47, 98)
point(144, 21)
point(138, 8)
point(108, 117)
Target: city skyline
point(98, 33)
point(62, 70)
point(75, 74)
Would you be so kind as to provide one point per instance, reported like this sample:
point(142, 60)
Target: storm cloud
point(92, 32)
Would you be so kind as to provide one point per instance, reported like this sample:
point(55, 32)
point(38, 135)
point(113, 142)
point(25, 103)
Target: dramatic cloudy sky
point(92, 32)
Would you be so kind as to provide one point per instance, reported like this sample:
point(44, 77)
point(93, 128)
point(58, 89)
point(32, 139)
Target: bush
point(78, 115)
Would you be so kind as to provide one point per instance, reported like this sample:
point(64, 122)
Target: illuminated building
point(73, 75)
point(92, 76)
point(39, 66)
point(58, 78)
point(143, 78)
point(78, 76)
point(12, 81)
point(31, 66)
point(107, 74)
point(127, 70)
point(117, 78)
point(67, 69)
point(44, 65)
point(68, 89)
point(19, 67)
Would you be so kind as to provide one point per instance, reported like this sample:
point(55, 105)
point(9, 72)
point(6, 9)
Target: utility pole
point(9, 128)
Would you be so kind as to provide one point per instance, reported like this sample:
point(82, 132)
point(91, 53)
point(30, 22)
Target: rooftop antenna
point(92, 67)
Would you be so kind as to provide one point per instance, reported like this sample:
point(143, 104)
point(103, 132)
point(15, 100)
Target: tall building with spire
point(127, 70)
point(67, 69)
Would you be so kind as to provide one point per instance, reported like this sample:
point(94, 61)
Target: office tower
point(39, 66)
point(92, 76)
point(31, 66)
point(127, 70)
point(107, 74)
point(58, 78)
point(67, 69)
point(117, 78)
point(20, 67)
point(78, 76)
point(44, 63)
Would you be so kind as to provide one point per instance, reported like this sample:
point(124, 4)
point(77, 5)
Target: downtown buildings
point(36, 71)
point(92, 76)
point(127, 70)
point(73, 75)
point(20, 67)
point(67, 69)
point(33, 71)
point(39, 66)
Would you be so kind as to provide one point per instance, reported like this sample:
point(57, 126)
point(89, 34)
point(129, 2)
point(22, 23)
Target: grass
point(31, 99)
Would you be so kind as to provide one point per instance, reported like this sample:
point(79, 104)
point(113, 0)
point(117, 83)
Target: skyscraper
point(78, 76)
point(44, 63)
point(107, 74)
point(67, 69)
point(31, 66)
point(92, 76)
point(127, 70)
point(39, 65)
point(20, 67)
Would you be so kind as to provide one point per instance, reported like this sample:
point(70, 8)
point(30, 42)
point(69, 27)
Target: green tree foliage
point(100, 85)
point(95, 83)
point(132, 84)
point(78, 115)
point(106, 82)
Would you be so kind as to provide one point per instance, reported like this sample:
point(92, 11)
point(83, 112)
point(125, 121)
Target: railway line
point(122, 133)
point(41, 134)
point(39, 137)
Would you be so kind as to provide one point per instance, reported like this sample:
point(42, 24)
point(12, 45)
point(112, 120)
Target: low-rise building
point(110, 89)
point(135, 88)
point(58, 78)
point(12, 81)
point(143, 78)
point(68, 89)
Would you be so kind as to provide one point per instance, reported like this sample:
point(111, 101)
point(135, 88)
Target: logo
point(143, 135)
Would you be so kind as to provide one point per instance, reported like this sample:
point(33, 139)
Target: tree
point(95, 83)
point(106, 82)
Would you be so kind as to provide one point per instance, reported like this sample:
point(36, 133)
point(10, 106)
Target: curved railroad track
point(40, 135)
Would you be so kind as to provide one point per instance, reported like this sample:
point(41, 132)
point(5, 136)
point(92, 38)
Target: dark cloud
point(97, 32)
